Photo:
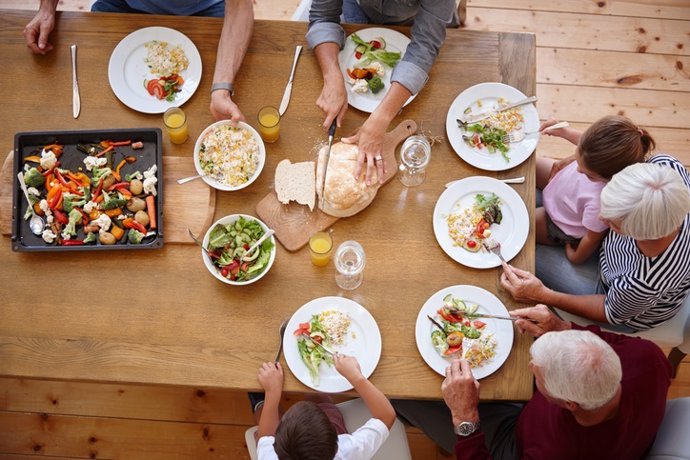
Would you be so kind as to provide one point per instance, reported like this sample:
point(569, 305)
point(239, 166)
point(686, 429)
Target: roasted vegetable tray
point(31, 144)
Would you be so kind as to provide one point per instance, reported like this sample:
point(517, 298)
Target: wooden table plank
point(158, 316)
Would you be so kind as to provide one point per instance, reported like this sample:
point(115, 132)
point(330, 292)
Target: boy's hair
point(305, 433)
point(612, 143)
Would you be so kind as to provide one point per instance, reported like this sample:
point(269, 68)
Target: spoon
point(256, 245)
point(281, 332)
point(36, 224)
point(184, 180)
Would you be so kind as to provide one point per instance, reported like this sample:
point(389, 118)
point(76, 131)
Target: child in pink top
point(571, 187)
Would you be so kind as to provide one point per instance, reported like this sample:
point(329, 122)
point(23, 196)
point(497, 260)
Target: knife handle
point(331, 130)
point(518, 103)
point(73, 53)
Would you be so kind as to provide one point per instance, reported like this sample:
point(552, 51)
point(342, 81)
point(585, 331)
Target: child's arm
point(569, 134)
point(377, 403)
point(588, 244)
point(271, 380)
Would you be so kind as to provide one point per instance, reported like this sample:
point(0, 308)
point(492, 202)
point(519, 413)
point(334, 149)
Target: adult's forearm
point(238, 27)
point(48, 5)
point(327, 57)
point(587, 306)
point(391, 104)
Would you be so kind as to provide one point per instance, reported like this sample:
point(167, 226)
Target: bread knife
point(76, 102)
point(331, 135)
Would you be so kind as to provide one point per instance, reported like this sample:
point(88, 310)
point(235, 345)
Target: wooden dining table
point(158, 316)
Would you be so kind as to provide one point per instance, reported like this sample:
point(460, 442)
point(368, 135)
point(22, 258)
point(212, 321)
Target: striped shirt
point(643, 292)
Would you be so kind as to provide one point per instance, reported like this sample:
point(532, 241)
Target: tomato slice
point(150, 85)
point(452, 350)
point(478, 324)
point(358, 55)
point(376, 44)
point(159, 92)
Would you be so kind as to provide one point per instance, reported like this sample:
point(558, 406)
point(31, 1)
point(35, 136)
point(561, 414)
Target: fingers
point(509, 273)
point(371, 167)
point(330, 116)
point(380, 167)
point(341, 115)
point(360, 164)
point(531, 328)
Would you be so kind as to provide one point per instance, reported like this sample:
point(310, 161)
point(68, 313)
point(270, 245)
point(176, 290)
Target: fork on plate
point(495, 248)
point(518, 136)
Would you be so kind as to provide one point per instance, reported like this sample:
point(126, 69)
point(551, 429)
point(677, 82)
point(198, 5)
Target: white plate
point(489, 304)
point(395, 41)
point(488, 94)
point(214, 183)
point(365, 346)
point(511, 232)
point(127, 69)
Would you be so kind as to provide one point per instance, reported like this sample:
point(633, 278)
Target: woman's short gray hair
point(649, 200)
point(577, 366)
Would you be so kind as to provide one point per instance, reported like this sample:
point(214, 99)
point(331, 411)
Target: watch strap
point(225, 86)
point(466, 428)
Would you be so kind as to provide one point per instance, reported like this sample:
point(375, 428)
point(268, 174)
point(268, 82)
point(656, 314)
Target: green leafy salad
point(228, 245)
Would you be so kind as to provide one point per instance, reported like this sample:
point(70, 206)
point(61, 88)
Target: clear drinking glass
point(349, 265)
point(415, 154)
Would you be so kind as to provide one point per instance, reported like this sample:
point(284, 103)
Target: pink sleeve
point(591, 220)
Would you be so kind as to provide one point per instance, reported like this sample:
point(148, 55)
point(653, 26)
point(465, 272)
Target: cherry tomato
point(245, 246)
point(376, 44)
point(358, 55)
point(471, 244)
point(224, 272)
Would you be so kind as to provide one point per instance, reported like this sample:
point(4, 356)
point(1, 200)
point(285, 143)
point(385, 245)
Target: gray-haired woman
point(644, 269)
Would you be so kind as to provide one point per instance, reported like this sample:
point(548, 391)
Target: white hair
point(578, 366)
point(649, 200)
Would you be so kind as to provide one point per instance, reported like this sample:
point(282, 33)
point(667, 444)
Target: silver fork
point(514, 137)
point(496, 249)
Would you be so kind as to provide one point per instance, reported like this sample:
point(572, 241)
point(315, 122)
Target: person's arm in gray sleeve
point(428, 34)
point(324, 23)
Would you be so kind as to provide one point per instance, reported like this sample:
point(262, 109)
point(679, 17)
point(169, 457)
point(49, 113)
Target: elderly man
point(599, 396)
point(429, 19)
point(238, 26)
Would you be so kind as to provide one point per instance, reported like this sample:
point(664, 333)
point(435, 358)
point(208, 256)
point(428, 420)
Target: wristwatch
point(224, 85)
point(466, 428)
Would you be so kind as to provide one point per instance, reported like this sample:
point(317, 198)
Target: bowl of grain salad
point(229, 158)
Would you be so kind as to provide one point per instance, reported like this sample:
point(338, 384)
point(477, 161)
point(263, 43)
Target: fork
point(495, 248)
point(512, 138)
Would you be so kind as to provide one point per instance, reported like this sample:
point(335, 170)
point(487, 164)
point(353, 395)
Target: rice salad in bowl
point(229, 158)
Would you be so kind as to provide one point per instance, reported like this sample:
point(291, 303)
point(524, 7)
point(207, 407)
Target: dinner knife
point(288, 89)
point(325, 348)
point(485, 115)
point(331, 135)
point(76, 102)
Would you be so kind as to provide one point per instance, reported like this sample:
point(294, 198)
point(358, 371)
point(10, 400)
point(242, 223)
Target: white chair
point(356, 414)
point(672, 441)
point(674, 333)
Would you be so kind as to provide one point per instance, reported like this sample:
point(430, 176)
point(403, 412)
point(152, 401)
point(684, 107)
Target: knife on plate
point(76, 102)
point(484, 115)
point(331, 135)
point(325, 348)
point(288, 89)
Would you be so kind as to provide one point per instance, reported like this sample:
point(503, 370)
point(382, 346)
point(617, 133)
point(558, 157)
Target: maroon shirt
point(546, 431)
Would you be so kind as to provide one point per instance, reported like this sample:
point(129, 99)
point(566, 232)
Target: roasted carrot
point(104, 151)
point(151, 210)
point(116, 231)
point(113, 212)
point(120, 143)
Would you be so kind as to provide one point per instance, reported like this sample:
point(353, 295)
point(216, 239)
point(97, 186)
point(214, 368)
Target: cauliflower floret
point(33, 191)
point(93, 162)
point(50, 219)
point(48, 159)
point(360, 86)
point(103, 222)
point(150, 180)
point(66, 236)
point(90, 206)
point(377, 67)
point(48, 236)
point(43, 204)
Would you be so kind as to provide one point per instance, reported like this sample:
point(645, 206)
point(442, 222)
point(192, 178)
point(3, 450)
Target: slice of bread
point(296, 182)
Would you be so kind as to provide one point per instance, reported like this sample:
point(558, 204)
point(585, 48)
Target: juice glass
point(269, 124)
point(320, 245)
point(176, 125)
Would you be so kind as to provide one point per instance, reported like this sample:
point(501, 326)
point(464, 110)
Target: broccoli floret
point(375, 84)
point(112, 201)
point(90, 238)
point(135, 236)
point(75, 219)
point(101, 173)
point(34, 178)
point(71, 201)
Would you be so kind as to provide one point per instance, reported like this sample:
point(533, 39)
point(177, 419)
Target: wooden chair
point(356, 414)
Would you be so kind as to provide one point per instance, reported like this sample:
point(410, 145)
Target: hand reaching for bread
point(369, 140)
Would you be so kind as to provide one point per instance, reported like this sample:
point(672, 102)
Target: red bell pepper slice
point(119, 185)
point(60, 216)
point(72, 243)
point(98, 190)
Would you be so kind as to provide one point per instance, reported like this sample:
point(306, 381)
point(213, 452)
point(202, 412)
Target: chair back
point(672, 440)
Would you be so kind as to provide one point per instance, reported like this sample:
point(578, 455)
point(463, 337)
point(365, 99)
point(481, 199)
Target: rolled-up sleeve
point(324, 23)
point(428, 35)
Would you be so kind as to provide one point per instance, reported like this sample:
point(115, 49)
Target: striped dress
point(643, 292)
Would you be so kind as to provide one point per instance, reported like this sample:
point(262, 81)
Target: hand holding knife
point(331, 135)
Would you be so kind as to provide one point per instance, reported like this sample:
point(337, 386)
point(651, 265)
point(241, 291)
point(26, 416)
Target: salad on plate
point(491, 133)
point(165, 64)
point(469, 227)
point(371, 60)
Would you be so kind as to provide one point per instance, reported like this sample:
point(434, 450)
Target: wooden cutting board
point(294, 224)
point(191, 205)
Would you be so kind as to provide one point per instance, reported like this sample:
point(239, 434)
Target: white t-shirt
point(360, 445)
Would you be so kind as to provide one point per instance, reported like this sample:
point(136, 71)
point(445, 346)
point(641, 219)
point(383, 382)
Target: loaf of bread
point(296, 182)
point(343, 194)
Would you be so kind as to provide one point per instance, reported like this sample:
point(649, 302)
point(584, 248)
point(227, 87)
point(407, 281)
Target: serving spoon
point(256, 245)
point(36, 224)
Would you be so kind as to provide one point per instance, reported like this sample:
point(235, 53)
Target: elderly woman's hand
point(538, 320)
point(522, 285)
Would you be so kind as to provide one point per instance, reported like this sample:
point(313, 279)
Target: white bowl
point(214, 183)
point(215, 271)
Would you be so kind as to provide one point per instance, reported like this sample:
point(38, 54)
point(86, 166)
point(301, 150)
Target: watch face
point(466, 428)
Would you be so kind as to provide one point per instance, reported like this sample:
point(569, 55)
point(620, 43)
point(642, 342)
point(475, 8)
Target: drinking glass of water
point(349, 265)
point(415, 154)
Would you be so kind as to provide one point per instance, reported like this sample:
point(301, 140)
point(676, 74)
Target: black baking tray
point(29, 143)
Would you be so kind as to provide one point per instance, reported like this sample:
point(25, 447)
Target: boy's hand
point(348, 367)
point(271, 378)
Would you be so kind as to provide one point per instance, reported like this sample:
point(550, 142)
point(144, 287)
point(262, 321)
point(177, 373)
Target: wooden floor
point(593, 58)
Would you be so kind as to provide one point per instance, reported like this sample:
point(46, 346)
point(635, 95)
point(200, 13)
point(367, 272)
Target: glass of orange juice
point(176, 125)
point(320, 246)
point(269, 124)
